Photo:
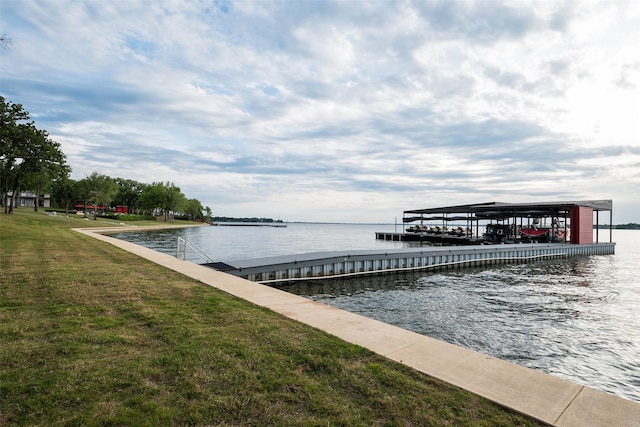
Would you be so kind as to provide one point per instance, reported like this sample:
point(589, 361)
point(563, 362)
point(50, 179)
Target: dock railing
point(184, 243)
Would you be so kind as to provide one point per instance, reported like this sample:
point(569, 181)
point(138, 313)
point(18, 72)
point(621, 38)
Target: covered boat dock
point(474, 235)
point(497, 222)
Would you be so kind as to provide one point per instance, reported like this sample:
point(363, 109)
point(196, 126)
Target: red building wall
point(581, 225)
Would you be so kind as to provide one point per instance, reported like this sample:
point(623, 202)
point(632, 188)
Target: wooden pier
point(323, 265)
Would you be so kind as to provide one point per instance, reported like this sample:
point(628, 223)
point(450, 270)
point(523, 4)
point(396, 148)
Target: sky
point(338, 111)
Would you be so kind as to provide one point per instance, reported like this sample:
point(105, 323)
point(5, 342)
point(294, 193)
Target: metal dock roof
point(501, 209)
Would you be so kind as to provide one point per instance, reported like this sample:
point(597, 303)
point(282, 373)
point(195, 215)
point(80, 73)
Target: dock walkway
point(547, 398)
point(323, 265)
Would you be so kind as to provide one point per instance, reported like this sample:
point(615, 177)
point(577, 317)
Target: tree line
point(31, 160)
point(157, 198)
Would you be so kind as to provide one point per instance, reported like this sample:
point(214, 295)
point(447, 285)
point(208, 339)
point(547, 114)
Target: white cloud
point(338, 111)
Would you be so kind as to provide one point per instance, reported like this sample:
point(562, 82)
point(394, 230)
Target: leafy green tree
point(64, 192)
point(83, 192)
point(207, 209)
point(98, 189)
point(193, 209)
point(164, 197)
point(47, 166)
point(152, 198)
point(13, 123)
point(174, 200)
point(129, 192)
point(26, 153)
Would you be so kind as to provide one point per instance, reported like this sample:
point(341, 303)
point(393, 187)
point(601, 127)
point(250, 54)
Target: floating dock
point(324, 265)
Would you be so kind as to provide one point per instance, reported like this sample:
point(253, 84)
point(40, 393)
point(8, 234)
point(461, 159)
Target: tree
point(193, 209)
point(26, 153)
point(64, 191)
point(165, 197)
point(173, 200)
point(152, 197)
point(129, 192)
point(98, 189)
point(46, 167)
point(13, 119)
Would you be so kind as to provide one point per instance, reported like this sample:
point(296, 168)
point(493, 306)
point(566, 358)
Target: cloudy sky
point(338, 111)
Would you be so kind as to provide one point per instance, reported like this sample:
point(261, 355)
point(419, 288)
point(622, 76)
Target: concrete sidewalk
point(541, 396)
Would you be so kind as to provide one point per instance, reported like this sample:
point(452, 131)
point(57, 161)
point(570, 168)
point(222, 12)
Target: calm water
point(577, 319)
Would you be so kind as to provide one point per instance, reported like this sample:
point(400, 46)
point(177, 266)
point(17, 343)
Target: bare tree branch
point(5, 42)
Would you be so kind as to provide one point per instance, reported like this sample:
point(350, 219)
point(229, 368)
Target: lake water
point(576, 318)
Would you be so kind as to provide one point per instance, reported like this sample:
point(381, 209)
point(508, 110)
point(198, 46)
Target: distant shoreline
point(248, 224)
point(631, 226)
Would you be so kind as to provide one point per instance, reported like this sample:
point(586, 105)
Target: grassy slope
point(92, 335)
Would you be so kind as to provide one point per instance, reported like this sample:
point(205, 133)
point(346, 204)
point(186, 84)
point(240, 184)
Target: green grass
point(93, 335)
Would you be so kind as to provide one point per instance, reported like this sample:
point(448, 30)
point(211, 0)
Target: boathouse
point(497, 222)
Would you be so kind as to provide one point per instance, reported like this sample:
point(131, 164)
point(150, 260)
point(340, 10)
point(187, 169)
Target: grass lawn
point(93, 335)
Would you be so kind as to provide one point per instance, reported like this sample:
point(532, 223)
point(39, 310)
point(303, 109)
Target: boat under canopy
point(511, 222)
